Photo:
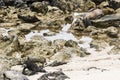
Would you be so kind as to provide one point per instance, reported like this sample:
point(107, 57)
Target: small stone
point(112, 32)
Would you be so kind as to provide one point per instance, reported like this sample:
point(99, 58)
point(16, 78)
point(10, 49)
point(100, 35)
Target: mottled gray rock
point(69, 19)
point(57, 75)
point(28, 17)
point(114, 4)
point(112, 32)
point(40, 7)
point(65, 54)
point(71, 43)
point(14, 75)
point(78, 25)
point(26, 27)
point(115, 50)
point(108, 20)
point(6, 63)
point(98, 44)
point(49, 34)
point(13, 46)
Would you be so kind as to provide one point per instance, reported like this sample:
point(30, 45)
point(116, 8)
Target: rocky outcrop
point(14, 75)
point(40, 7)
point(106, 21)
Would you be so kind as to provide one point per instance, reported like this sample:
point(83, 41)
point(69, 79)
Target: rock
point(14, 46)
point(29, 18)
point(89, 5)
point(8, 25)
point(65, 6)
point(61, 57)
point(59, 44)
point(78, 25)
point(107, 20)
point(103, 4)
point(98, 44)
point(56, 63)
point(97, 1)
point(65, 54)
point(6, 63)
point(40, 7)
point(71, 43)
point(26, 27)
point(115, 42)
point(55, 25)
point(38, 46)
point(2, 3)
point(90, 29)
point(57, 75)
point(14, 75)
point(69, 19)
point(19, 3)
point(114, 4)
point(117, 10)
point(40, 40)
point(112, 32)
point(49, 34)
point(115, 50)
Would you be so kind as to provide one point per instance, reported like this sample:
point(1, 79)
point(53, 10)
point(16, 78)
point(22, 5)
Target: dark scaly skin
point(30, 65)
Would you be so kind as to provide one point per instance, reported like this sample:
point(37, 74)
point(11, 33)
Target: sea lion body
point(94, 14)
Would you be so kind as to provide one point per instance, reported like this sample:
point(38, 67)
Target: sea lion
point(95, 14)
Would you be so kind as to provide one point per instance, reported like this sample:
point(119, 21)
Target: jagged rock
point(90, 29)
point(69, 19)
point(56, 63)
point(65, 54)
point(115, 42)
point(6, 63)
point(16, 3)
point(97, 1)
point(103, 4)
point(118, 10)
point(106, 21)
point(40, 7)
point(78, 25)
point(7, 25)
point(26, 27)
point(13, 46)
point(89, 5)
point(40, 40)
point(112, 32)
point(49, 34)
point(114, 4)
point(59, 44)
point(57, 75)
point(55, 25)
point(30, 17)
point(38, 46)
point(71, 43)
point(14, 75)
point(98, 44)
point(115, 50)
point(65, 6)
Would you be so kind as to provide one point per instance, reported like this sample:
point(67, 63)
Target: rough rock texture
point(14, 75)
point(106, 21)
point(26, 28)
